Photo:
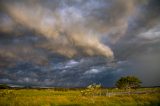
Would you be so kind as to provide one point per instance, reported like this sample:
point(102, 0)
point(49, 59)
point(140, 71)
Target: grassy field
point(51, 97)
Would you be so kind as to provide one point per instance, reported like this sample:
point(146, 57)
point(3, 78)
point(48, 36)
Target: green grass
point(50, 97)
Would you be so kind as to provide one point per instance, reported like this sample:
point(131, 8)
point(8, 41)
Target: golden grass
point(34, 97)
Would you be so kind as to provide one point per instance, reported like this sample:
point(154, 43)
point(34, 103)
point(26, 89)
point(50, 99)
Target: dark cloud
point(75, 43)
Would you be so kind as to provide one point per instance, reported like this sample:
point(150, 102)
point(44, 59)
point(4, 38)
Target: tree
point(128, 82)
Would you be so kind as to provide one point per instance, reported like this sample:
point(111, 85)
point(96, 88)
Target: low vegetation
point(51, 97)
point(92, 95)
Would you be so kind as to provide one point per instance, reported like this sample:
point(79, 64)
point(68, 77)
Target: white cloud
point(153, 33)
point(71, 63)
point(92, 71)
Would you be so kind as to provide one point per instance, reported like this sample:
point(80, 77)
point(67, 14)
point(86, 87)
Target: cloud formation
point(53, 42)
point(63, 27)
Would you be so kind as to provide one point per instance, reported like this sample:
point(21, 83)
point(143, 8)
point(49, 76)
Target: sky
point(74, 43)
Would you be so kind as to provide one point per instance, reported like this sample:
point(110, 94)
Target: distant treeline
point(5, 86)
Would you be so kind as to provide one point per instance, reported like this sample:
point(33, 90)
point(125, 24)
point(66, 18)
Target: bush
point(93, 89)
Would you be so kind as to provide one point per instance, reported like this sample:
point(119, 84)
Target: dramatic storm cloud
point(78, 42)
